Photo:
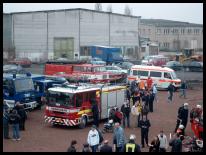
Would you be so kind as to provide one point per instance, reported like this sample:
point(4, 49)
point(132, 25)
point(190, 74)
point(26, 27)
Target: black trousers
point(151, 106)
point(183, 123)
point(96, 121)
point(22, 124)
point(6, 130)
point(144, 136)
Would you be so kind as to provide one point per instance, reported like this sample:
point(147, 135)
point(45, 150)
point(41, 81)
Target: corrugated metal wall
point(30, 35)
point(35, 32)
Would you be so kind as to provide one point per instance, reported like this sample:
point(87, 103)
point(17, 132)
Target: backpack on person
point(101, 138)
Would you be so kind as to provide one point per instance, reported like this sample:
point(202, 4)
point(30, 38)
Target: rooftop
point(168, 23)
point(75, 9)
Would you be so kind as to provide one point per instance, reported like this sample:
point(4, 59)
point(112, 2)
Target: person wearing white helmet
point(131, 146)
point(182, 117)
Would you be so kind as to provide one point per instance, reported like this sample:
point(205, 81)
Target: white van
point(162, 76)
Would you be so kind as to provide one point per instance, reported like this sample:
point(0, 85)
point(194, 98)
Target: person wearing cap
point(118, 138)
point(131, 146)
point(196, 112)
point(125, 109)
point(72, 146)
point(182, 116)
point(93, 138)
point(106, 147)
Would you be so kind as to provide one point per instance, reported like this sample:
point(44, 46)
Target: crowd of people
point(140, 97)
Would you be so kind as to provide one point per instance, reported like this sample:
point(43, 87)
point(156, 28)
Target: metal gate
point(64, 47)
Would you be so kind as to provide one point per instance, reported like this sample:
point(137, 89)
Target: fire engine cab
point(71, 105)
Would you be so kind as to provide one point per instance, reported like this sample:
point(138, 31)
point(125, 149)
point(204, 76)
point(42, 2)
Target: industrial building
point(172, 36)
point(42, 35)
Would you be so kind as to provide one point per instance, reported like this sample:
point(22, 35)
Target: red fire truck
point(70, 105)
point(82, 72)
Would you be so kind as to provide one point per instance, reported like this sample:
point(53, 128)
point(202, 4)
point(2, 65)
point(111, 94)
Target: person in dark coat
point(125, 109)
point(176, 144)
point(145, 98)
point(183, 88)
point(6, 123)
point(72, 146)
point(22, 113)
point(144, 125)
point(131, 146)
point(128, 93)
point(95, 111)
point(106, 147)
point(182, 117)
point(15, 120)
point(151, 100)
point(171, 90)
point(155, 145)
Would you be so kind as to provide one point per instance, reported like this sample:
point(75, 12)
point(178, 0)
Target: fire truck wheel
point(83, 122)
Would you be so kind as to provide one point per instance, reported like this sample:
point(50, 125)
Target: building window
point(166, 44)
point(158, 31)
point(175, 31)
point(189, 31)
point(85, 51)
point(166, 31)
point(196, 31)
point(149, 31)
point(143, 49)
point(182, 31)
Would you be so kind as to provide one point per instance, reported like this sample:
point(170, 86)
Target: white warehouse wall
point(30, 35)
point(63, 24)
point(31, 31)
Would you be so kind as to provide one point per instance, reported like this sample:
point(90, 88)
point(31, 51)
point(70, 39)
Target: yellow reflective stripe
point(84, 111)
point(129, 145)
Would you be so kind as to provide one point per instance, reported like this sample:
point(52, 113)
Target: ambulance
point(162, 76)
point(71, 105)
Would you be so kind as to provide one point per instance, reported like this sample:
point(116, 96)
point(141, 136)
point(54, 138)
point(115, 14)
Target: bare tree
point(109, 8)
point(127, 10)
point(98, 6)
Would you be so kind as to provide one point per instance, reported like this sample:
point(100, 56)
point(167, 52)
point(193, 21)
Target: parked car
point(194, 66)
point(116, 69)
point(97, 61)
point(155, 60)
point(24, 62)
point(12, 68)
point(175, 65)
point(124, 65)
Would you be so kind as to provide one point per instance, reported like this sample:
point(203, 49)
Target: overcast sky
point(187, 12)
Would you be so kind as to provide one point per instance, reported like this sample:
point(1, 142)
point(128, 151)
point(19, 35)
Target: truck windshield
point(61, 99)
point(23, 85)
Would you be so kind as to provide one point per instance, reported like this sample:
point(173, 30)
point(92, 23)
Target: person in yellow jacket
point(131, 146)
